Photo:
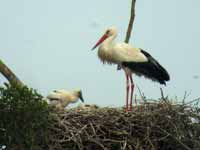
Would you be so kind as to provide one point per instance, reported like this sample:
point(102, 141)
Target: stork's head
point(79, 94)
point(112, 31)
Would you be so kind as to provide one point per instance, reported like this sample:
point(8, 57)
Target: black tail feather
point(150, 69)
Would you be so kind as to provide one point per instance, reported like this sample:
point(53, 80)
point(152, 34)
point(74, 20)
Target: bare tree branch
point(9, 75)
point(132, 18)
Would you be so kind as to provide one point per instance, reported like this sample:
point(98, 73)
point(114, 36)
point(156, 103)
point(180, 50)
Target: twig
point(124, 145)
point(98, 143)
point(186, 95)
point(74, 135)
point(135, 99)
point(2, 129)
point(179, 141)
point(192, 101)
point(92, 127)
point(141, 95)
point(162, 95)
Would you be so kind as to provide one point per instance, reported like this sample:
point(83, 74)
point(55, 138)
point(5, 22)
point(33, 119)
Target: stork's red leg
point(127, 91)
point(132, 89)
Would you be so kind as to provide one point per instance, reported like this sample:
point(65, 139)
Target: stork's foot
point(131, 108)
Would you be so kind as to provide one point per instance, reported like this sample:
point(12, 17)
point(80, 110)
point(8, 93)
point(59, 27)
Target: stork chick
point(88, 107)
point(62, 98)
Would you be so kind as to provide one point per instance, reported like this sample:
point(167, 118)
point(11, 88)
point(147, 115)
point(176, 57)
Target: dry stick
point(135, 99)
point(179, 141)
point(186, 95)
point(192, 101)
point(9, 75)
point(79, 132)
point(141, 95)
point(125, 143)
point(162, 95)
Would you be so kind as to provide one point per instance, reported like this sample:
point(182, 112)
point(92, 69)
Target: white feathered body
point(116, 53)
point(62, 98)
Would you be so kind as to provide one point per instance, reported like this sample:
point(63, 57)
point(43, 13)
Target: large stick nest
point(150, 126)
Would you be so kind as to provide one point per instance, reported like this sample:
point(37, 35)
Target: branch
point(130, 25)
point(9, 75)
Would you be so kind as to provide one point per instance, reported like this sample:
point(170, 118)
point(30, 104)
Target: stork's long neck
point(105, 50)
point(108, 43)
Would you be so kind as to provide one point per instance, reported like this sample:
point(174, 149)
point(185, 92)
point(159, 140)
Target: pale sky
point(48, 43)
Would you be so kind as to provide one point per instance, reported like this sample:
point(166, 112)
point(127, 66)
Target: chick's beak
point(81, 97)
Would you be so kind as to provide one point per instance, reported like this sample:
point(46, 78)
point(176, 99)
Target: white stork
point(131, 59)
point(62, 98)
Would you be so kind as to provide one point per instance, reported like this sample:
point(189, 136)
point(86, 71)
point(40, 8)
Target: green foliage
point(24, 117)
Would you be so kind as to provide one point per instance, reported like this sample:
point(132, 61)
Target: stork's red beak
point(100, 41)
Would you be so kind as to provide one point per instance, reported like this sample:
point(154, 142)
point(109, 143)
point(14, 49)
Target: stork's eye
point(108, 31)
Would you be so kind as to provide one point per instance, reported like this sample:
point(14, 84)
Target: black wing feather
point(151, 69)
